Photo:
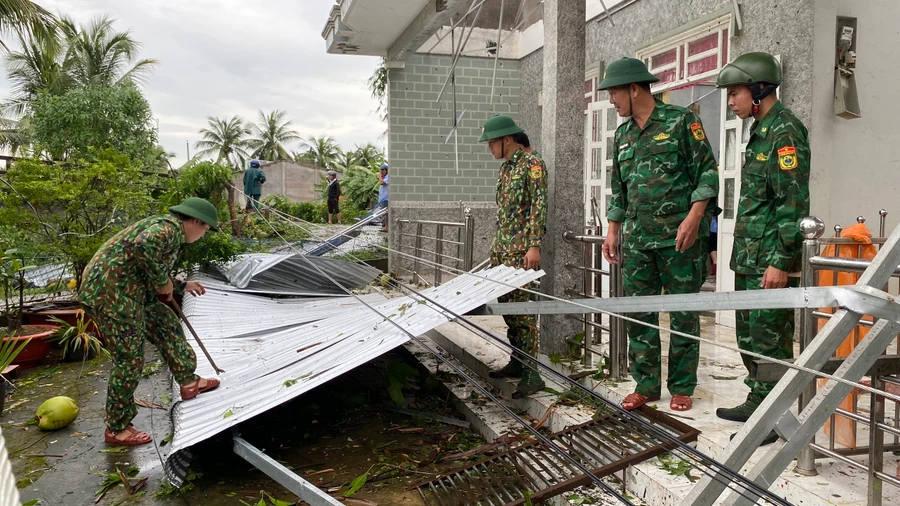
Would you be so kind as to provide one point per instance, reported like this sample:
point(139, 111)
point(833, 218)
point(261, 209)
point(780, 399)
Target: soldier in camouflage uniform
point(521, 223)
point(774, 198)
point(122, 290)
point(664, 175)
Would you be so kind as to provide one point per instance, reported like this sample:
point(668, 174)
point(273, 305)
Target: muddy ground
point(331, 436)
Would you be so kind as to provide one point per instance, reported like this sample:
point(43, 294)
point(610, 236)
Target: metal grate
point(606, 445)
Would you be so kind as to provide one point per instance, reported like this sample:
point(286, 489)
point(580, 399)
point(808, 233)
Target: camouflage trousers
point(522, 332)
point(769, 332)
point(125, 333)
point(649, 272)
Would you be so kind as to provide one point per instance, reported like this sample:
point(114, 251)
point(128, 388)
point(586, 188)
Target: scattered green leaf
point(357, 484)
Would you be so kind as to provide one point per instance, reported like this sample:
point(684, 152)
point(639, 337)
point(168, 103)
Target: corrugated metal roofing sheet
point(266, 272)
point(275, 350)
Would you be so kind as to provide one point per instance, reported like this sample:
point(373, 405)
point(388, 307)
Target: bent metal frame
point(864, 298)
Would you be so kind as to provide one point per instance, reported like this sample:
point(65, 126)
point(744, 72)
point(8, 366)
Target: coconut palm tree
point(38, 66)
point(323, 151)
point(97, 54)
point(346, 160)
point(23, 15)
point(224, 140)
point(369, 155)
point(56, 61)
point(270, 135)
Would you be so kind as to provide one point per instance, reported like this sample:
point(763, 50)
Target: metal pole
point(618, 339)
point(284, 476)
point(418, 249)
point(812, 229)
point(597, 254)
point(837, 254)
point(438, 253)
point(883, 218)
point(876, 443)
point(586, 281)
point(469, 246)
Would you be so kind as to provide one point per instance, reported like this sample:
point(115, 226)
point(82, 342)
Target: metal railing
point(881, 375)
point(464, 242)
point(593, 275)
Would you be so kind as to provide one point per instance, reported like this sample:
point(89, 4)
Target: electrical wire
point(474, 383)
point(683, 447)
point(790, 365)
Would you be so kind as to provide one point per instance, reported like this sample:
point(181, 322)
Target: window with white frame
point(694, 55)
point(591, 81)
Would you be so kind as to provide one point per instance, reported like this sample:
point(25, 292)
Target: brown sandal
point(636, 400)
point(135, 437)
point(192, 390)
point(681, 400)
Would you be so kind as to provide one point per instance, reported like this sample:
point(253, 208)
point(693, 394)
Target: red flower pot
point(37, 348)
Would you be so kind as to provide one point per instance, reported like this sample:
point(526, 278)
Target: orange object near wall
point(845, 428)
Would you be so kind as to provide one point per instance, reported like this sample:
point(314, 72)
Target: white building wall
point(859, 159)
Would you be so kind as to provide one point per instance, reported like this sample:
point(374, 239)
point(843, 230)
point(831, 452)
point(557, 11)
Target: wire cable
point(724, 470)
point(790, 365)
point(474, 383)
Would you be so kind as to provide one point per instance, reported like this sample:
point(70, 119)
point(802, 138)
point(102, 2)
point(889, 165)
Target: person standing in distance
point(521, 224)
point(334, 196)
point(774, 198)
point(253, 181)
point(664, 175)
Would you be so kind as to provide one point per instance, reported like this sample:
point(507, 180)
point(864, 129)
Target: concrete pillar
point(562, 141)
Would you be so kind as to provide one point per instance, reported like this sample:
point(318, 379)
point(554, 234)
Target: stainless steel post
point(618, 342)
point(587, 288)
point(812, 229)
point(876, 443)
point(469, 247)
point(418, 253)
point(597, 255)
point(438, 253)
point(837, 254)
point(883, 218)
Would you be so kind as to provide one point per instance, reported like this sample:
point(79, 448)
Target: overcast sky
point(227, 57)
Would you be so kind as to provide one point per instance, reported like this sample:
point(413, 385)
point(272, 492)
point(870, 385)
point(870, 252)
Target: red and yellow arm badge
point(697, 131)
point(787, 158)
point(537, 170)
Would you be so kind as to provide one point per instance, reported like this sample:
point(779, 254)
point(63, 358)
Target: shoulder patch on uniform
point(787, 158)
point(697, 131)
point(661, 137)
point(537, 171)
point(762, 157)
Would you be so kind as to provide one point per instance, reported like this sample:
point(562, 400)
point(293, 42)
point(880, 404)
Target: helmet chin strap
point(759, 92)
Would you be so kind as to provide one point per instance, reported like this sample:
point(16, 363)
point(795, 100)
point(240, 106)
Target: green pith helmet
point(626, 71)
point(497, 127)
point(198, 208)
point(750, 69)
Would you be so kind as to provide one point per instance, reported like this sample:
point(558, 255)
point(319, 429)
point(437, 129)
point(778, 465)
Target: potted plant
point(12, 280)
point(9, 350)
point(78, 341)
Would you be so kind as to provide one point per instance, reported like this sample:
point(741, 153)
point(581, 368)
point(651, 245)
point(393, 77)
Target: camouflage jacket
point(521, 205)
point(129, 267)
point(774, 195)
point(658, 172)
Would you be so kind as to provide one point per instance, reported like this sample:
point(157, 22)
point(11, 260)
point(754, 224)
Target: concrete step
point(720, 384)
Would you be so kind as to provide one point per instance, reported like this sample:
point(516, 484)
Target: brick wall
point(424, 182)
point(422, 166)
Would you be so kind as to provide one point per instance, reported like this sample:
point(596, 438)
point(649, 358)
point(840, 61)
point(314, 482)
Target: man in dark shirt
point(334, 196)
